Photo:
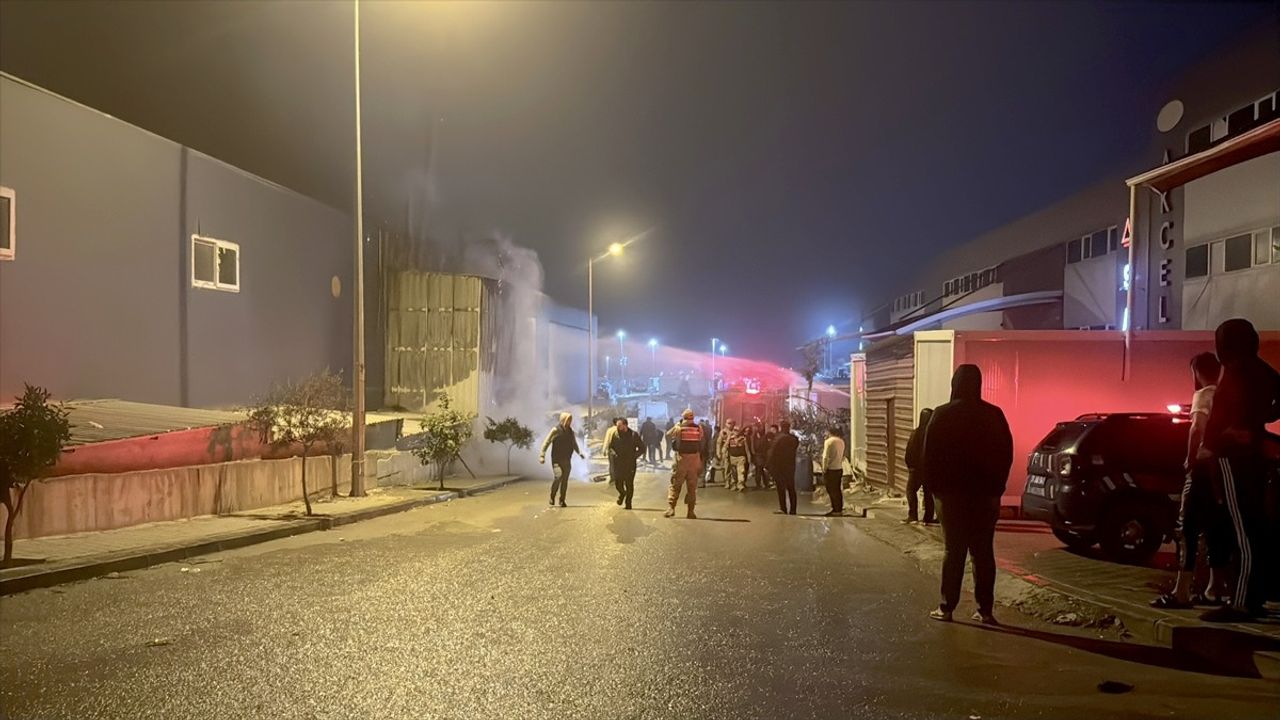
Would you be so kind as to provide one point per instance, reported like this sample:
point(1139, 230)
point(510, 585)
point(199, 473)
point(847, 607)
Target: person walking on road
point(782, 467)
point(833, 469)
point(564, 445)
point(720, 451)
point(652, 438)
point(1235, 441)
point(688, 440)
point(968, 451)
point(625, 450)
point(737, 451)
point(916, 480)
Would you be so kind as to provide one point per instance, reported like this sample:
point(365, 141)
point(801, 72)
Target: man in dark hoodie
point(968, 451)
point(1248, 397)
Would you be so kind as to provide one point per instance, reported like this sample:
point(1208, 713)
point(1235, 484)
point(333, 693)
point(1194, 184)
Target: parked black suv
point(1113, 479)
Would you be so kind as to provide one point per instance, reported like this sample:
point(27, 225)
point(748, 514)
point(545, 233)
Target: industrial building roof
point(100, 420)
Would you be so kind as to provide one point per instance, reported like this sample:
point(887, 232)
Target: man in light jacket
point(833, 469)
point(968, 451)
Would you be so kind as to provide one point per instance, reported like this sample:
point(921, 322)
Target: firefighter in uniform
point(687, 438)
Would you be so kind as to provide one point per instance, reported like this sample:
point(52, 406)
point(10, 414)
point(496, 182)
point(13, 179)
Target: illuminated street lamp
point(653, 356)
point(614, 250)
point(831, 335)
point(723, 349)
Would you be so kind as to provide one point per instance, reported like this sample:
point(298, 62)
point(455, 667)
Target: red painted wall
point(1040, 380)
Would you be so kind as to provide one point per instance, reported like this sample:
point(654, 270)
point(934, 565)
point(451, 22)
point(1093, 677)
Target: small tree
point(509, 432)
point(811, 360)
point(32, 436)
point(304, 413)
point(444, 432)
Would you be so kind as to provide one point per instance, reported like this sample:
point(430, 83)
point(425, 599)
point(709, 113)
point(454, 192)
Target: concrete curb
point(31, 577)
point(1228, 645)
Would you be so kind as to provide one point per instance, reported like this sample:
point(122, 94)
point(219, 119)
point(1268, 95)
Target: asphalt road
point(500, 607)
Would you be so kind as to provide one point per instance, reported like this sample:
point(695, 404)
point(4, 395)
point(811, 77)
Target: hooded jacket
point(1248, 395)
point(968, 449)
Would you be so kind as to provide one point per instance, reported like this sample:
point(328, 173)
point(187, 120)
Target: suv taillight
point(1062, 464)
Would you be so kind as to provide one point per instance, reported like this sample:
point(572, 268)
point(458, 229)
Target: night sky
point(798, 161)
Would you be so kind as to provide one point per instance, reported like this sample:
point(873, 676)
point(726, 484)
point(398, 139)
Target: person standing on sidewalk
point(625, 450)
point(759, 446)
point(833, 469)
point(968, 451)
point(1199, 512)
point(1248, 397)
point(688, 441)
point(914, 458)
point(782, 467)
point(564, 445)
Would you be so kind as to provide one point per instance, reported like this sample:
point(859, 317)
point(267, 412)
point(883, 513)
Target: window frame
point(1202, 247)
point(1226, 252)
point(218, 246)
point(11, 252)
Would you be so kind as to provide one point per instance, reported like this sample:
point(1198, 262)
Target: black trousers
point(560, 479)
point(831, 480)
point(1201, 513)
point(786, 485)
point(1243, 487)
point(624, 479)
point(969, 529)
point(915, 483)
point(654, 452)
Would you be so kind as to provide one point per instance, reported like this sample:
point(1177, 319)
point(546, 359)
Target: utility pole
point(357, 381)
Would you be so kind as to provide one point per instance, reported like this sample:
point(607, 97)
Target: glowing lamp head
point(653, 342)
point(615, 249)
point(831, 331)
point(622, 334)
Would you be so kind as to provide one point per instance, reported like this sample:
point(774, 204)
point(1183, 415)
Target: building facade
point(144, 270)
point(1208, 250)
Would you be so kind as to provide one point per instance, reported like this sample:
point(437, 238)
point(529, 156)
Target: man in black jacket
point(1248, 397)
point(781, 462)
point(625, 450)
point(652, 438)
point(968, 451)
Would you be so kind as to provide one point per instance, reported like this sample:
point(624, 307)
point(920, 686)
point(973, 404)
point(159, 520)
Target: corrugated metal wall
point(890, 411)
point(434, 340)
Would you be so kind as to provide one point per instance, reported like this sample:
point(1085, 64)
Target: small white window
point(215, 264)
point(1262, 247)
point(7, 224)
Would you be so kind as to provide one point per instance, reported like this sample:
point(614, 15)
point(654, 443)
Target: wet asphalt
point(500, 607)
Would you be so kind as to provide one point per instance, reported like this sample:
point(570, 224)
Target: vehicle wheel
point(1131, 533)
point(1074, 540)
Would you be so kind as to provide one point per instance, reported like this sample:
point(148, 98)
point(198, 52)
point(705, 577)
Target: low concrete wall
point(101, 501)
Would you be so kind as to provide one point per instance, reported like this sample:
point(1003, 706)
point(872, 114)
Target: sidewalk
point(1040, 577)
point(67, 558)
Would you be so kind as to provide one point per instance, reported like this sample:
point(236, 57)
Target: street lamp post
point(715, 342)
point(653, 357)
point(614, 250)
point(831, 334)
point(622, 361)
point(357, 350)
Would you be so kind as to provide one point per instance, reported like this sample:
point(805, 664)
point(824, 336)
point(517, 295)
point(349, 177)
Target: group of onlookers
point(1231, 496)
point(960, 455)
